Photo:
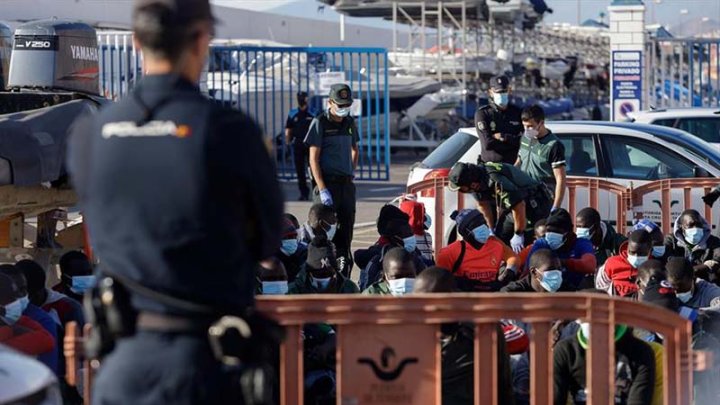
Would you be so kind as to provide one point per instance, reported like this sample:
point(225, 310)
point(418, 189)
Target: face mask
point(331, 232)
point(554, 240)
point(321, 284)
point(501, 99)
point(583, 233)
point(531, 133)
point(342, 112)
point(428, 221)
point(24, 302)
point(401, 286)
point(636, 261)
point(693, 236)
point(275, 287)
point(289, 246)
point(551, 280)
point(481, 233)
point(13, 312)
point(80, 284)
point(410, 243)
point(685, 296)
point(658, 251)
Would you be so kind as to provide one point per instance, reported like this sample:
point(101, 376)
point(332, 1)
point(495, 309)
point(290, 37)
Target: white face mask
point(275, 287)
point(685, 296)
point(401, 286)
point(342, 112)
point(531, 133)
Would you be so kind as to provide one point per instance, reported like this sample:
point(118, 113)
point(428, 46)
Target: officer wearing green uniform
point(510, 189)
point(333, 144)
point(542, 155)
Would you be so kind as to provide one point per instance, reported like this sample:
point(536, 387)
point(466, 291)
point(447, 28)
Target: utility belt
point(243, 342)
point(338, 179)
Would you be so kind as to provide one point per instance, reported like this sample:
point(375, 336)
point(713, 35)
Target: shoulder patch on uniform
point(481, 125)
point(492, 125)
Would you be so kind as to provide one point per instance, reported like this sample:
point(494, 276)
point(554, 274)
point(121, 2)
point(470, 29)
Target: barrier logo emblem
point(383, 371)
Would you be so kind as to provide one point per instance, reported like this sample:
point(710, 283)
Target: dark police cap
point(341, 94)
point(500, 83)
point(467, 175)
point(183, 11)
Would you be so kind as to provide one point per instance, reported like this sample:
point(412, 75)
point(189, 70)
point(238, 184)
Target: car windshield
point(450, 151)
point(708, 154)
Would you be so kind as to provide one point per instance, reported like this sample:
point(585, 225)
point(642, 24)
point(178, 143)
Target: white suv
point(701, 122)
point(623, 153)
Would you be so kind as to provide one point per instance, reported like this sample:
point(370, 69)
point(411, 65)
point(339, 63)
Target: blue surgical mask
point(551, 280)
point(583, 233)
point(684, 297)
point(24, 302)
point(554, 240)
point(481, 233)
point(501, 99)
point(13, 312)
point(401, 286)
point(275, 287)
point(636, 261)
point(428, 221)
point(693, 236)
point(658, 251)
point(321, 284)
point(331, 232)
point(342, 112)
point(289, 246)
point(410, 243)
point(80, 284)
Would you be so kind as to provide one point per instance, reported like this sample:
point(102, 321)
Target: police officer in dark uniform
point(296, 128)
point(498, 124)
point(524, 199)
point(333, 143)
point(182, 201)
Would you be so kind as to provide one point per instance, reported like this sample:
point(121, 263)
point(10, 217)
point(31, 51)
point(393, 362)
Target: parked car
point(623, 153)
point(701, 122)
point(24, 380)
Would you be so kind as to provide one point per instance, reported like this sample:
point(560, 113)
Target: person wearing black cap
point(296, 128)
point(511, 190)
point(183, 202)
point(333, 142)
point(479, 262)
point(498, 124)
point(320, 274)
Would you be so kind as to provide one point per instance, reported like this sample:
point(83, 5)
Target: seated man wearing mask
point(656, 238)
point(576, 255)
point(321, 220)
point(652, 269)
point(16, 330)
point(293, 253)
point(520, 200)
point(619, 274)
point(320, 274)
point(61, 308)
point(398, 272)
point(545, 275)
point(691, 239)
point(76, 275)
point(692, 291)
point(605, 240)
point(273, 278)
point(479, 262)
point(389, 214)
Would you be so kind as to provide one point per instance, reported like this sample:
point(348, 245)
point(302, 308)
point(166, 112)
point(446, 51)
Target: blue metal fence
point(683, 72)
point(264, 81)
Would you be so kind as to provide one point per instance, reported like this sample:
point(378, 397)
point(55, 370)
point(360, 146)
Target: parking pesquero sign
point(626, 70)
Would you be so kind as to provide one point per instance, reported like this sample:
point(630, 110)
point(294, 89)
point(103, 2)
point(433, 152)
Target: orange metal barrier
point(665, 187)
point(626, 199)
point(389, 350)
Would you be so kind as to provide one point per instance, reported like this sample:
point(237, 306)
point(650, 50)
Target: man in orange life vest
point(480, 262)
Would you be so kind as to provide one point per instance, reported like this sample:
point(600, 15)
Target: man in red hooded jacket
point(619, 274)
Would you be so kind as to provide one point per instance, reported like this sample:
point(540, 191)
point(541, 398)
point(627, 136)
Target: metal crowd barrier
point(376, 362)
point(628, 200)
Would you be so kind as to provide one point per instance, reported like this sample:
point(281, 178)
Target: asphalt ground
point(371, 195)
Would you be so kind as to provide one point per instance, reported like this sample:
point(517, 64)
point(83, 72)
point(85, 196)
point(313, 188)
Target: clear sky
point(667, 12)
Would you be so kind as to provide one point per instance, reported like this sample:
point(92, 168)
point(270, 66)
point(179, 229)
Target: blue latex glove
point(517, 243)
point(326, 197)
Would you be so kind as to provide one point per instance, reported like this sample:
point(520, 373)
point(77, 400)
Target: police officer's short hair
point(158, 33)
point(533, 113)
